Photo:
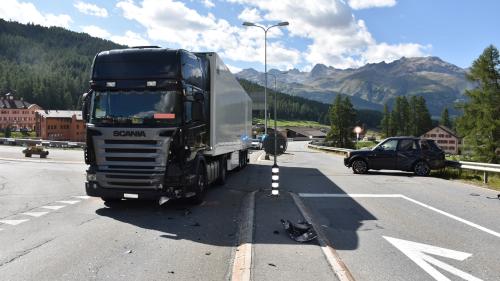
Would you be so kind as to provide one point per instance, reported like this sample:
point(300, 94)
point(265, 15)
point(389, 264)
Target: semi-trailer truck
point(163, 124)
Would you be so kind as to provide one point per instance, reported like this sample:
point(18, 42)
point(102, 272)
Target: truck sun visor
point(164, 116)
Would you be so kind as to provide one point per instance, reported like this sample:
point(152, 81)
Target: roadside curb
point(331, 255)
point(242, 262)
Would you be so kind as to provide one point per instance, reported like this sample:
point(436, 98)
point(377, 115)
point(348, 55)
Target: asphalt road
point(50, 231)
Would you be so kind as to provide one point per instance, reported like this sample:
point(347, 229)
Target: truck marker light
point(111, 84)
point(151, 83)
point(164, 116)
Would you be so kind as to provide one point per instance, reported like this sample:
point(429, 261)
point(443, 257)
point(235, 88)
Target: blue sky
point(337, 33)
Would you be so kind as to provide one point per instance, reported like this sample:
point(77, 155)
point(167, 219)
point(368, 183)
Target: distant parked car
point(398, 153)
point(256, 144)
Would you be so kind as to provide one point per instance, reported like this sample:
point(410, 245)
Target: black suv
point(398, 153)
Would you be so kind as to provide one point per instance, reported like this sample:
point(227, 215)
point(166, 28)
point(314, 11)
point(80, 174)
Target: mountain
point(371, 86)
point(47, 66)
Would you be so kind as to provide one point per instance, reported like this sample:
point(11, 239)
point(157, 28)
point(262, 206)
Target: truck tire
point(27, 155)
point(221, 180)
point(200, 187)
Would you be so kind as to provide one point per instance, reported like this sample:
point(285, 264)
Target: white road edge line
point(242, 263)
point(336, 263)
point(53, 207)
point(13, 222)
point(343, 195)
point(35, 214)
point(71, 202)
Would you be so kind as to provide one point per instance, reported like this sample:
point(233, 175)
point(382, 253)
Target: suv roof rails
point(144, 47)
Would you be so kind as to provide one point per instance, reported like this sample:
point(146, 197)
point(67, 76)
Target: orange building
point(445, 138)
point(17, 113)
point(60, 125)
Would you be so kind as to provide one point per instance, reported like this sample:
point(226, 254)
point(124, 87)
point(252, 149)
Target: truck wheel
point(43, 155)
point(223, 171)
point(200, 187)
point(27, 155)
point(359, 166)
point(421, 169)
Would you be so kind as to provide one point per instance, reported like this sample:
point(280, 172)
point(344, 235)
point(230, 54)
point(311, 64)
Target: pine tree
point(384, 124)
point(480, 123)
point(445, 118)
point(342, 119)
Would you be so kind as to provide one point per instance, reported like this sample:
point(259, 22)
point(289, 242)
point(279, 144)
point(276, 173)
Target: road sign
point(419, 253)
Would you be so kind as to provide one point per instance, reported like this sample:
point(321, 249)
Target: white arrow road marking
point(71, 202)
point(417, 252)
point(13, 222)
point(81, 197)
point(53, 207)
point(35, 214)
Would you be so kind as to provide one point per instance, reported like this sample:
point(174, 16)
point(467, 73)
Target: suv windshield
point(150, 108)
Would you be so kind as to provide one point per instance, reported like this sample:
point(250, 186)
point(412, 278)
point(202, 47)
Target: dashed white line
point(53, 207)
point(35, 214)
point(71, 202)
point(13, 222)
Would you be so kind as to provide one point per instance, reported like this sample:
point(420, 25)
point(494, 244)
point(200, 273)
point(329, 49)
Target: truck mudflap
point(172, 192)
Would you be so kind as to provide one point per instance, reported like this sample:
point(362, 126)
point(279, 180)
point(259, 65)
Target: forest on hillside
point(47, 66)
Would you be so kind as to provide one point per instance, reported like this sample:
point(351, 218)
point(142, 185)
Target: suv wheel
point(359, 166)
point(422, 169)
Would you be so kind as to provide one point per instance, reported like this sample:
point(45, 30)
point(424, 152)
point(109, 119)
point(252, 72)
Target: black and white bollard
point(275, 180)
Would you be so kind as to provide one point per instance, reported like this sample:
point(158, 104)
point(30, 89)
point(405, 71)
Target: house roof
point(9, 103)
point(60, 114)
point(446, 129)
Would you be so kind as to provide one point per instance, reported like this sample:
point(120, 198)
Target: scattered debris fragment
point(271, 264)
point(128, 252)
point(208, 253)
point(474, 194)
point(301, 231)
point(171, 272)
point(196, 224)
point(276, 232)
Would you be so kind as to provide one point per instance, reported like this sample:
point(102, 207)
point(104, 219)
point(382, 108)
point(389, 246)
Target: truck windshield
point(146, 108)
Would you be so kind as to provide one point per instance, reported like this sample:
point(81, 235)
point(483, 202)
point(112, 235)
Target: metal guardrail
point(330, 149)
point(50, 143)
point(476, 166)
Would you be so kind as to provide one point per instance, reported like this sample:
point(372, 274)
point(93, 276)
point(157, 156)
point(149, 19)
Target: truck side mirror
point(86, 105)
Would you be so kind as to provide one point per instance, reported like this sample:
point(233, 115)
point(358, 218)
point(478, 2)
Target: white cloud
point(25, 12)
point(336, 37)
point(233, 68)
point(96, 31)
point(251, 15)
point(91, 9)
point(174, 23)
point(365, 4)
point(130, 39)
point(208, 3)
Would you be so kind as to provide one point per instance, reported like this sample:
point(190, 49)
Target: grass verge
point(468, 176)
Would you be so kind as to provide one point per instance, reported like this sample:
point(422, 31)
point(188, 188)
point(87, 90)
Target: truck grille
point(126, 162)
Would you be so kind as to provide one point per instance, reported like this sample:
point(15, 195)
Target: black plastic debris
point(301, 231)
point(271, 264)
point(276, 232)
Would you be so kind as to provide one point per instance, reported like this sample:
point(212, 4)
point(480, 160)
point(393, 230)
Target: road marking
point(84, 197)
point(13, 222)
point(53, 207)
point(342, 195)
point(352, 195)
point(71, 202)
point(41, 161)
point(35, 214)
point(331, 255)
point(417, 252)
point(243, 255)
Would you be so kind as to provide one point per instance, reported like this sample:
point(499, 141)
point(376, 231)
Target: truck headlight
point(91, 177)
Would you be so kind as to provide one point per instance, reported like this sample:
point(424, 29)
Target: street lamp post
point(275, 168)
point(284, 23)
